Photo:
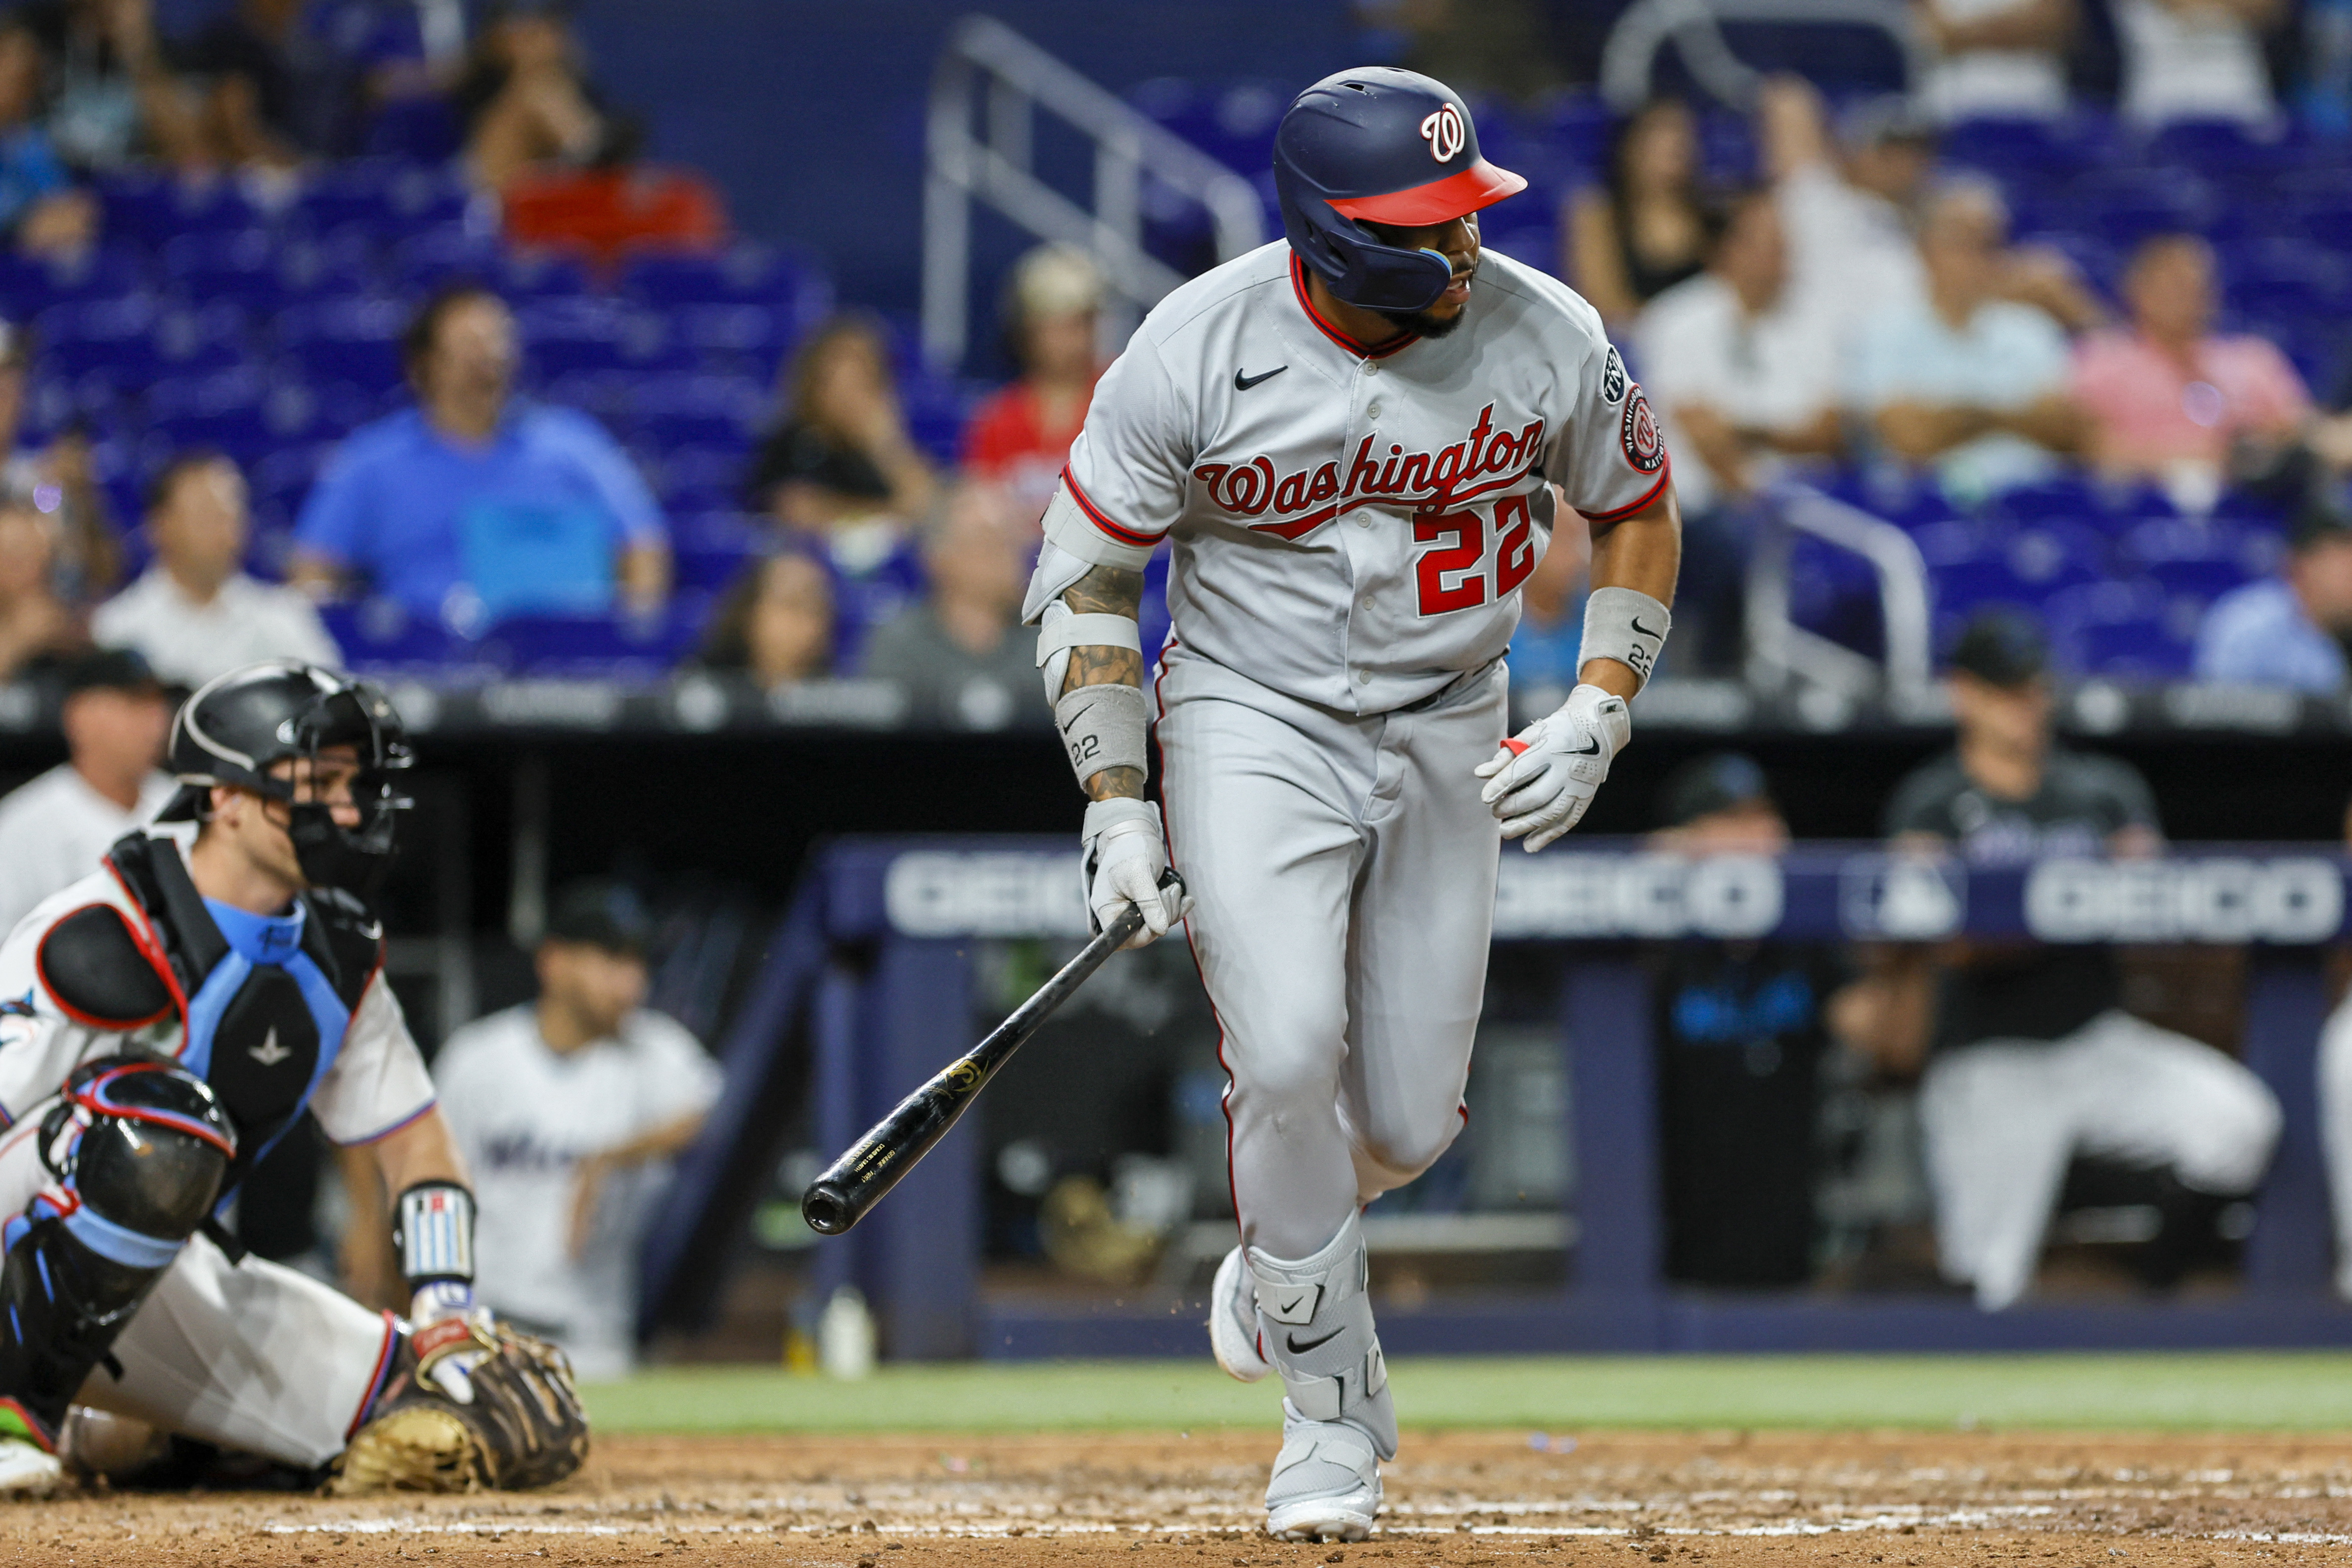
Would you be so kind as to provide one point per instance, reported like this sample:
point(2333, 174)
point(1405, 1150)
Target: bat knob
point(826, 1208)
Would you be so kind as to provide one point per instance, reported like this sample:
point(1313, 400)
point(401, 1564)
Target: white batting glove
point(1125, 855)
point(1544, 777)
point(446, 1331)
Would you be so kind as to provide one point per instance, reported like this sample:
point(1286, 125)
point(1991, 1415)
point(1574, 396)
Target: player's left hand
point(1125, 856)
point(1544, 777)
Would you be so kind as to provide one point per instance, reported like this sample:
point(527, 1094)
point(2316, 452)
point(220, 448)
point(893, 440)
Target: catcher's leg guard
point(135, 1149)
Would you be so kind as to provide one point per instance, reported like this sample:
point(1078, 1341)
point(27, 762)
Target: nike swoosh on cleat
point(1244, 383)
point(1297, 1349)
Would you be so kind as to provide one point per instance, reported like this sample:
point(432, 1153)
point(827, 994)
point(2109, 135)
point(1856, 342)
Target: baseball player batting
point(1351, 441)
point(167, 1020)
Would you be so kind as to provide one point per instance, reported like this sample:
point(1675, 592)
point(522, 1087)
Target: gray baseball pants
point(1343, 870)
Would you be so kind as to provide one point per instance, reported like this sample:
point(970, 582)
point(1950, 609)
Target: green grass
point(2301, 1392)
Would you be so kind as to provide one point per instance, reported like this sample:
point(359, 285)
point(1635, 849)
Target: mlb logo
point(1902, 898)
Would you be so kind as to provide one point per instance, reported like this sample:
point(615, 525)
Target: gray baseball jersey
point(1350, 526)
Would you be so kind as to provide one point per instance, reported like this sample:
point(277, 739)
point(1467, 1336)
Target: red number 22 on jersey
point(1453, 576)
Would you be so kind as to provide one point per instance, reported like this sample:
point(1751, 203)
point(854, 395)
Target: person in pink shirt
point(2173, 401)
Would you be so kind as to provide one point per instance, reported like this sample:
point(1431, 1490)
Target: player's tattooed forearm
point(1113, 783)
point(1105, 591)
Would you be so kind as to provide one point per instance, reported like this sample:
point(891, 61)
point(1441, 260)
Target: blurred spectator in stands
point(841, 465)
point(2031, 1061)
point(956, 653)
point(2171, 400)
point(776, 623)
point(1963, 382)
point(1547, 648)
point(525, 100)
point(1996, 59)
point(1746, 380)
point(40, 209)
point(1476, 46)
point(194, 614)
point(112, 96)
point(569, 1110)
point(2294, 629)
point(469, 508)
point(1021, 436)
point(53, 830)
point(274, 93)
point(2196, 59)
point(88, 556)
point(35, 621)
point(1643, 231)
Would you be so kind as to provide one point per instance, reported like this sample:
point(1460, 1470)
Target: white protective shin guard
point(1338, 1421)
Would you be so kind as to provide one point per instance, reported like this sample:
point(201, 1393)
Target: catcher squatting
point(1352, 441)
point(163, 1023)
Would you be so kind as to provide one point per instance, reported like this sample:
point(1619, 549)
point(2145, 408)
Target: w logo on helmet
point(1443, 132)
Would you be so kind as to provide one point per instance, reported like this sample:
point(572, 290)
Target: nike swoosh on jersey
point(1244, 383)
point(1297, 1349)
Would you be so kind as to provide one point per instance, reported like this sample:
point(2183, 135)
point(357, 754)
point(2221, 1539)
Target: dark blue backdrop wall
point(811, 115)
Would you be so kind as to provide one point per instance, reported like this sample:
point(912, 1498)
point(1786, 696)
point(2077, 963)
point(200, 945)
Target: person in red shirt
point(1021, 436)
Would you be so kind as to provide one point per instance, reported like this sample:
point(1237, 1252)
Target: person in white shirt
point(1746, 380)
point(1996, 59)
point(2196, 59)
point(194, 614)
point(568, 1111)
point(54, 829)
point(1846, 202)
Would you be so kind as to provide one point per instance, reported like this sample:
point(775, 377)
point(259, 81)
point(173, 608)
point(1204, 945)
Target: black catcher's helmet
point(237, 724)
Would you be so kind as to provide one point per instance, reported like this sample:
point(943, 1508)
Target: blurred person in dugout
point(2292, 630)
point(2169, 399)
point(1019, 436)
point(476, 505)
point(840, 467)
point(194, 614)
point(1745, 379)
point(1642, 231)
point(53, 830)
point(2030, 1061)
point(774, 625)
point(568, 1111)
point(88, 558)
point(954, 651)
point(1742, 1028)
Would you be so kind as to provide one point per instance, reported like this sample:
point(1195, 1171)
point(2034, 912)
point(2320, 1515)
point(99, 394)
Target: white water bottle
point(844, 1335)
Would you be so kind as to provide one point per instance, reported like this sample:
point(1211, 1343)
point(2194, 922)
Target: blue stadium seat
point(524, 276)
point(2025, 566)
point(745, 340)
point(29, 286)
point(698, 411)
point(445, 252)
point(2201, 561)
point(115, 338)
point(746, 275)
point(709, 548)
point(148, 208)
point(354, 340)
point(2122, 629)
point(378, 635)
point(595, 645)
point(700, 479)
point(423, 128)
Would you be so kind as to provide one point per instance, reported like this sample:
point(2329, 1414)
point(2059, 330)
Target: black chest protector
point(261, 1033)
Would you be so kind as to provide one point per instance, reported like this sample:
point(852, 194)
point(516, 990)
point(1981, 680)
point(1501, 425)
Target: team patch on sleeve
point(1613, 376)
point(1645, 447)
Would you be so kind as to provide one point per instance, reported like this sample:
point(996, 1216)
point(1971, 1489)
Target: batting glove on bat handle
point(1542, 779)
point(1126, 862)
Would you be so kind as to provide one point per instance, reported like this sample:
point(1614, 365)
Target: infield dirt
point(1724, 1500)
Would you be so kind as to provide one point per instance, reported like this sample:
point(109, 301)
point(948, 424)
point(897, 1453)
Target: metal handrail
point(1694, 27)
point(990, 73)
point(1779, 650)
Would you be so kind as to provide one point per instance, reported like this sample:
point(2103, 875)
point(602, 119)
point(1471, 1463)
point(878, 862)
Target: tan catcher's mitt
point(524, 1426)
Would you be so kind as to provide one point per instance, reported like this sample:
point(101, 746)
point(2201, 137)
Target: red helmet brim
point(1482, 184)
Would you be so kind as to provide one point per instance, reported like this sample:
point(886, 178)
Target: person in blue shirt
point(40, 209)
point(2290, 630)
point(472, 507)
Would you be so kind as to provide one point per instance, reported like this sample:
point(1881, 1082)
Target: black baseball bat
point(874, 1164)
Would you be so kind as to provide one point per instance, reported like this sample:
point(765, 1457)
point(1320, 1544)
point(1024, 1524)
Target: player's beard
point(1425, 323)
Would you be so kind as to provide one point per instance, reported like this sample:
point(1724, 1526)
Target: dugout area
point(2201, 1460)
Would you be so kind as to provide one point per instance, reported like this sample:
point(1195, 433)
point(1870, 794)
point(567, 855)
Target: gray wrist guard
point(1625, 624)
point(1102, 727)
point(433, 1227)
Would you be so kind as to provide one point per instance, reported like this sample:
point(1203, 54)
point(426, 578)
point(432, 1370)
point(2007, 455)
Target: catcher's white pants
point(253, 1356)
point(2003, 1120)
point(1343, 871)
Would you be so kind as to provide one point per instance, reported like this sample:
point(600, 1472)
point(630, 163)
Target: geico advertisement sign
point(2219, 900)
point(1637, 896)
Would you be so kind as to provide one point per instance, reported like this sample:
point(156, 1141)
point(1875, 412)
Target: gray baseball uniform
point(1351, 528)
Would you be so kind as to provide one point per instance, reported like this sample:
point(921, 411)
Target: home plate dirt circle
point(1725, 1498)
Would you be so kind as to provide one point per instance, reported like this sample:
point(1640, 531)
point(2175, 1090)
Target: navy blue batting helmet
point(1386, 146)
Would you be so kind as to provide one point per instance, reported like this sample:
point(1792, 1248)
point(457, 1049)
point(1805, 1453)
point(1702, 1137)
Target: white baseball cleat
point(27, 1470)
point(1232, 1320)
point(1325, 1484)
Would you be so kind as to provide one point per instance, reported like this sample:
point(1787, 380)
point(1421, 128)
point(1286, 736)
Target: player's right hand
point(1126, 853)
point(1543, 778)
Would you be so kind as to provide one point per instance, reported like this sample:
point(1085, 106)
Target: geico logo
point(1637, 896)
point(938, 894)
point(2292, 900)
